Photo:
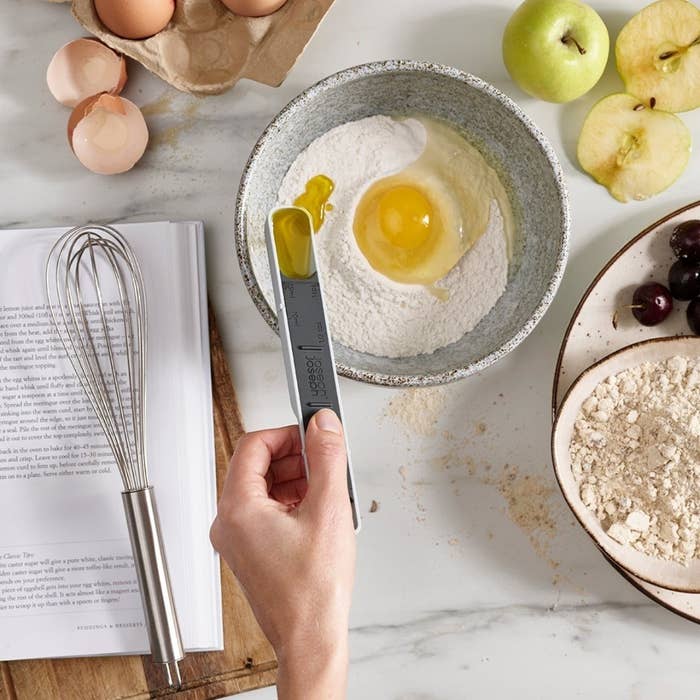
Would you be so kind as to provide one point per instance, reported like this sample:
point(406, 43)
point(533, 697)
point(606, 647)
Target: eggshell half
point(82, 68)
point(108, 134)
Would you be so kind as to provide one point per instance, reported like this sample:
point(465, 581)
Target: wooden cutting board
point(247, 661)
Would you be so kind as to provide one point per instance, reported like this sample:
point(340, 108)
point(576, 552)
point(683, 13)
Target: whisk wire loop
point(96, 388)
point(75, 275)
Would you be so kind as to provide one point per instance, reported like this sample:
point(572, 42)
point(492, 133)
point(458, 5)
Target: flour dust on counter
point(451, 452)
point(68, 584)
point(418, 410)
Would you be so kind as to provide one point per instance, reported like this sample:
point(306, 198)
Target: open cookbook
point(68, 584)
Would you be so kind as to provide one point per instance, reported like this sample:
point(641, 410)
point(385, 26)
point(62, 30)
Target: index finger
point(251, 461)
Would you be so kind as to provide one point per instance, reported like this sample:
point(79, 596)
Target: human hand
point(291, 545)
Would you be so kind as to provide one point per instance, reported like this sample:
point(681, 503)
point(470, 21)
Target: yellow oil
point(315, 199)
point(291, 229)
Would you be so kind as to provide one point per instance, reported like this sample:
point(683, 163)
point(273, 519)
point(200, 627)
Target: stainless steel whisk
point(105, 339)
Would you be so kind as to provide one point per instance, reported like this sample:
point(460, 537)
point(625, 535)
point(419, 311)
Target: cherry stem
point(626, 306)
point(568, 39)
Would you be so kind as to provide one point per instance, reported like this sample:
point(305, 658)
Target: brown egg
point(108, 134)
point(135, 19)
point(253, 8)
point(82, 68)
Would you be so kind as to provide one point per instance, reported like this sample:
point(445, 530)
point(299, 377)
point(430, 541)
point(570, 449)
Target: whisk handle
point(154, 582)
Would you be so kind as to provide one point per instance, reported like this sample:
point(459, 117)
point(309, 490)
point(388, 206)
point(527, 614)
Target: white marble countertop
point(468, 584)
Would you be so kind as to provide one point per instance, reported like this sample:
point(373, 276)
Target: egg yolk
point(315, 198)
point(291, 230)
point(404, 214)
point(400, 228)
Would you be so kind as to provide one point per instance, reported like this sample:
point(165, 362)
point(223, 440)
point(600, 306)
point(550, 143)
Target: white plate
point(668, 574)
point(591, 336)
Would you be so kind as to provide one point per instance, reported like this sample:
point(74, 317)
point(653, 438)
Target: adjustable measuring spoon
point(303, 326)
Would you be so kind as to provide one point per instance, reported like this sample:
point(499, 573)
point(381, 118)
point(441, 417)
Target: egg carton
point(206, 49)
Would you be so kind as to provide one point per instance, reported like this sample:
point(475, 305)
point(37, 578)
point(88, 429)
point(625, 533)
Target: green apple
point(555, 49)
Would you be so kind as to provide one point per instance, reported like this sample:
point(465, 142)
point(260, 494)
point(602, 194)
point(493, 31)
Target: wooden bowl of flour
point(661, 572)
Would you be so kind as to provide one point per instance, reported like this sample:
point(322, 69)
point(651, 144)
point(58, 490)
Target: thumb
point(327, 459)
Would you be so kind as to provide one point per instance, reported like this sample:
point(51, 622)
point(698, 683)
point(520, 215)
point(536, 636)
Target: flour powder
point(368, 311)
point(635, 454)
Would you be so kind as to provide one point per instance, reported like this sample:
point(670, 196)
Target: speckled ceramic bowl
point(512, 144)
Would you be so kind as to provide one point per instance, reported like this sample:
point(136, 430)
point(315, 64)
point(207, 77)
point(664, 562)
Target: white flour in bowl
point(635, 453)
point(368, 311)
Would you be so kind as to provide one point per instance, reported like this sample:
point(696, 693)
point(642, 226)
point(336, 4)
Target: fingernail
point(327, 421)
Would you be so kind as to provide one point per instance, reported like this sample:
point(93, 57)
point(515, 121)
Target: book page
point(67, 579)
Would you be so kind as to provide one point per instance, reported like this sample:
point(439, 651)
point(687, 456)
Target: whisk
point(97, 303)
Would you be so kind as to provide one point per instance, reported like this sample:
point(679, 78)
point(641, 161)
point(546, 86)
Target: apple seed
point(667, 54)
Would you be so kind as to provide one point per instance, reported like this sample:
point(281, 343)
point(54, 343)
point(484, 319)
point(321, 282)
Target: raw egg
point(135, 19)
point(83, 68)
point(409, 230)
point(253, 8)
point(108, 134)
point(414, 226)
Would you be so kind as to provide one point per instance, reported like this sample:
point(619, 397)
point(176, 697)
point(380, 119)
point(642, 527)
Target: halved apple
point(632, 149)
point(658, 55)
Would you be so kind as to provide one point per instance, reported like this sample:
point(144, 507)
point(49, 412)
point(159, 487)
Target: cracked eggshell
point(82, 68)
point(108, 134)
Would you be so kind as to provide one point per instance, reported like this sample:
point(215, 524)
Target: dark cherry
point(685, 240)
point(684, 280)
point(651, 303)
point(693, 313)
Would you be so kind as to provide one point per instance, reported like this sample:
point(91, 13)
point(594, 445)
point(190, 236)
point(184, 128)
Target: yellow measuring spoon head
point(292, 231)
